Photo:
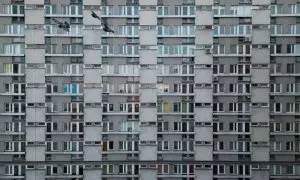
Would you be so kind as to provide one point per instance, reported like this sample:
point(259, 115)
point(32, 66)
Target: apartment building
point(179, 81)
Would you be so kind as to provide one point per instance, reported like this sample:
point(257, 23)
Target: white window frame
point(108, 49)
point(163, 169)
point(275, 108)
point(164, 10)
point(10, 126)
point(179, 145)
point(275, 168)
point(274, 87)
point(107, 10)
point(123, 11)
point(109, 167)
point(179, 126)
point(51, 144)
point(277, 146)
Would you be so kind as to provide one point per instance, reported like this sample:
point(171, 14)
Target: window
point(290, 170)
point(277, 169)
point(218, 107)
point(177, 145)
point(108, 169)
point(177, 126)
point(107, 10)
point(277, 88)
point(290, 146)
point(289, 127)
point(289, 68)
point(218, 169)
point(277, 107)
point(277, 146)
point(163, 145)
point(128, 10)
point(162, 169)
point(162, 10)
point(13, 48)
point(220, 146)
point(108, 145)
point(74, 10)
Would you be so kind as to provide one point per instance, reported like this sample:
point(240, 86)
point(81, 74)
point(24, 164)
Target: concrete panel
point(260, 153)
point(148, 76)
point(204, 18)
point(148, 95)
point(260, 56)
point(148, 133)
point(260, 174)
point(148, 153)
point(260, 114)
point(203, 174)
point(148, 174)
point(93, 114)
point(35, 56)
point(148, 37)
point(204, 37)
point(148, 56)
point(260, 75)
point(92, 153)
point(90, 3)
point(261, 36)
point(261, 17)
point(203, 153)
point(40, 2)
point(92, 95)
point(203, 114)
point(202, 58)
point(203, 75)
point(203, 133)
point(34, 36)
point(35, 174)
point(148, 114)
point(261, 2)
point(148, 18)
point(204, 2)
point(92, 133)
point(92, 75)
point(35, 133)
point(204, 95)
point(92, 56)
point(35, 153)
point(92, 174)
point(35, 95)
point(260, 95)
point(35, 75)
point(91, 36)
point(89, 20)
point(34, 16)
point(35, 114)
point(260, 133)
point(148, 2)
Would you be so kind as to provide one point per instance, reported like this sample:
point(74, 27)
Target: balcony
point(54, 31)
point(65, 50)
point(12, 11)
point(13, 50)
point(234, 11)
point(66, 11)
point(64, 109)
point(12, 30)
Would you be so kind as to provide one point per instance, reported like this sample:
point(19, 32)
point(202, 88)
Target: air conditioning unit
point(208, 51)
point(247, 39)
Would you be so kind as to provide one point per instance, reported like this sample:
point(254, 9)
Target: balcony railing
point(53, 30)
point(64, 50)
point(12, 10)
